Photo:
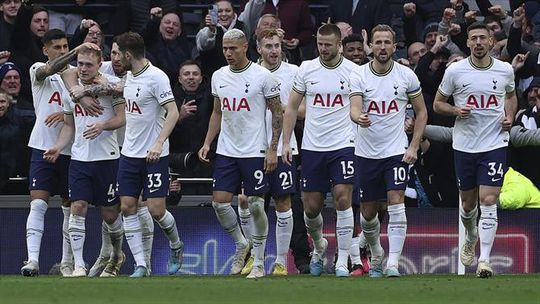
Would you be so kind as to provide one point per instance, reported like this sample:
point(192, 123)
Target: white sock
point(355, 251)
point(147, 228)
point(260, 228)
point(227, 218)
point(488, 229)
point(344, 232)
point(362, 243)
point(34, 228)
point(106, 246)
point(67, 253)
point(77, 235)
point(115, 235)
point(132, 230)
point(397, 231)
point(314, 227)
point(168, 224)
point(284, 228)
point(246, 222)
point(372, 231)
point(469, 221)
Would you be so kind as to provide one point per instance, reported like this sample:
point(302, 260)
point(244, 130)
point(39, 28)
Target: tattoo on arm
point(274, 104)
point(108, 89)
point(55, 65)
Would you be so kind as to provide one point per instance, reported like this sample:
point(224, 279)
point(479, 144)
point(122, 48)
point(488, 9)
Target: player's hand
point(409, 9)
point(76, 92)
point(364, 121)
point(54, 119)
point(51, 155)
point(203, 153)
point(154, 153)
point(410, 156)
point(156, 13)
point(92, 131)
point(507, 122)
point(91, 105)
point(187, 109)
point(286, 154)
point(270, 160)
point(519, 61)
point(463, 112)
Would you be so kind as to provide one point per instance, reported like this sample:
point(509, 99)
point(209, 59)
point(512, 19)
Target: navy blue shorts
point(48, 176)
point(484, 168)
point(378, 176)
point(136, 175)
point(282, 180)
point(93, 182)
point(231, 172)
point(320, 170)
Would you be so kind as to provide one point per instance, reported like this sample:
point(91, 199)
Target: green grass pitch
point(433, 289)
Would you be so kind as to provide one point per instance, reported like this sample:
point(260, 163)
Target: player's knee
point(256, 205)
point(156, 212)
point(283, 203)
point(489, 199)
point(128, 209)
point(78, 208)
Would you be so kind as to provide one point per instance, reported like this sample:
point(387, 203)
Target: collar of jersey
point(242, 69)
point(143, 69)
point(272, 70)
point(383, 73)
point(481, 68)
point(334, 66)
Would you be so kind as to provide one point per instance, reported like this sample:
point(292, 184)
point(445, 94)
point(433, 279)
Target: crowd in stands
point(184, 39)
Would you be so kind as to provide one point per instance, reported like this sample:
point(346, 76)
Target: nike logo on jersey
point(367, 91)
point(110, 200)
point(493, 179)
point(466, 85)
point(287, 187)
point(347, 176)
point(153, 190)
point(258, 187)
point(222, 86)
point(313, 82)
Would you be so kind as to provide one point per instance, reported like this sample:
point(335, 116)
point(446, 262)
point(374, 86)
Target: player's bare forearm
point(291, 113)
point(119, 119)
point(115, 89)
point(301, 110)
point(420, 122)
point(69, 77)
point(274, 104)
point(510, 105)
point(214, 125)
point(56, 65)
point(441, 106)
point(170, 121)
point(356, 107)
point(67, 133)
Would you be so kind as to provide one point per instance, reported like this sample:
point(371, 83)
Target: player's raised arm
point(170, 121)
point(274, 104)
point(420, 122)
point(214, 126)
point(289, 120)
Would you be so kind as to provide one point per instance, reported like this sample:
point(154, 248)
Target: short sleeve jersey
point(385, 97)
point(49, 95)
point(145, 92)
point(484, 89)
point(242, 95)
point(103, 147)
point(283, 74)
point(327, 125)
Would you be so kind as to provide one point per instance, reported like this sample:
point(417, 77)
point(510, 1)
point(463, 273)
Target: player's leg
point(130, 182)
point(147, 229)
point(246, 223)
point(255, 186)
point(104, 252)
point(490, 178)
point(466, 171)
point(156, 191)
point(77, 235)
point(62, 185)
point(115, 232)
point(396, 177)
point(357, 268)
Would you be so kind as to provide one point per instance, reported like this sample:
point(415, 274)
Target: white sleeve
point(414, 89)
point(213, 83)
point(162, 90)
point(66, 107)
point(33, 70)
point(270, 87)
point(356, 84)
point(510, 83)
point(447, 84)
point(299, 84)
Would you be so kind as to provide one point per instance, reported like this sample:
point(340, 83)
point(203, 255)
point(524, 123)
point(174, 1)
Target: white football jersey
point(485, 90)
point(49, 95)
point(145, 92)
point(283, 73)
point(106, 68)
point(327, 126)
point(242, 96)
point(385, 97)
point(103, 147)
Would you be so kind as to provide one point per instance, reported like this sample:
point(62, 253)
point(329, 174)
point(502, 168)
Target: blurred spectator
point(10, 82)
point(210, 38)
point(345, 28)
point(65, 15)
point(31, 23)
point(415, 51)
point(353, 49)
point(90, 31)
point(140, 8)
point(266, 22)
point(13, 123)
point(361, 14)
point(166, 46)
point(9, 10)
point(520, 40)
point(295, 19)
point(195, 104)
